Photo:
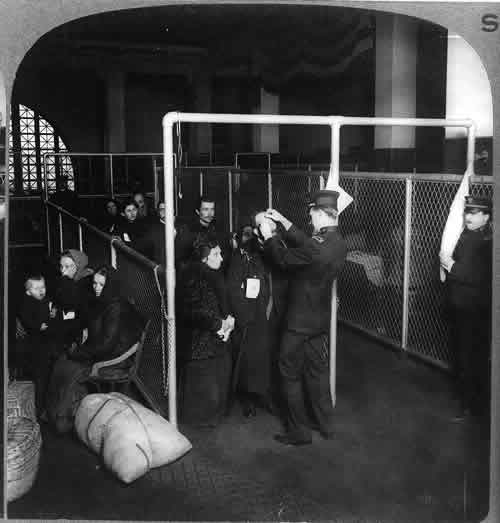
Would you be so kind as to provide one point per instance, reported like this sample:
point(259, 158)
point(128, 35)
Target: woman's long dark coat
point(252, 333)
point(204, 357)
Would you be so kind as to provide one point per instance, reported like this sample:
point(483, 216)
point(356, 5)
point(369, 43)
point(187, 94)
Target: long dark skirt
point(65, 391)
point(205, 390)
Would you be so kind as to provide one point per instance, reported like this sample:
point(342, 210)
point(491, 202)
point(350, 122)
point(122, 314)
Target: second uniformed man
point(313, 264)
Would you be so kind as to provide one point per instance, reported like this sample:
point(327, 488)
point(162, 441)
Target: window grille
point(30, 137)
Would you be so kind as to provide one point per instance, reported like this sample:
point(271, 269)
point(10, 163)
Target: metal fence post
point(80, 236)
point(46, 195)
point(114, 263)
point(61, 241)
point(111, 177)
point(155, 181)
point(406, 262)
point(269, 189)
point(230, 194)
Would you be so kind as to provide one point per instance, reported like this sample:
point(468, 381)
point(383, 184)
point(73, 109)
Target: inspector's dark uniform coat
point(313, 264)
point(469, 294)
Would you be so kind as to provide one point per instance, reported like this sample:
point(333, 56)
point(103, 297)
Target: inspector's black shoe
point(285, 439)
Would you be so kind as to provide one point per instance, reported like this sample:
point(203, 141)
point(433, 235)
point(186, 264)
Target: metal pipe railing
point(406, 263)
point(335, 123)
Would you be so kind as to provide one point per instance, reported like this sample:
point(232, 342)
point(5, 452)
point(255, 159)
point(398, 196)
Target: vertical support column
point(115, 137)
point(406, 263)
point(395, 89)
point(266, 138)
point(201, 184)
point(200, 135)
point(168, 188)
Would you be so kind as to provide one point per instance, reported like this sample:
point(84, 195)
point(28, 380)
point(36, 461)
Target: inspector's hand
point(276, 216)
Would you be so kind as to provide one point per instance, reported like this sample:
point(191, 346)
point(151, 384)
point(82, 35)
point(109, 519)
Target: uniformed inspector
point(313, 263)
point(469, 295)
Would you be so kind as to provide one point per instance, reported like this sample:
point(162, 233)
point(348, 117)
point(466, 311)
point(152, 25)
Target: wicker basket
point(21, 400)
point(24, 441)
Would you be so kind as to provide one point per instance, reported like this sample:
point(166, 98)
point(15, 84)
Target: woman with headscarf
point(113, 327)
point(206, 326)
point(71, 299)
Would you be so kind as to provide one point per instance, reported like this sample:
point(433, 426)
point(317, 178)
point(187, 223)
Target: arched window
point(30, 138)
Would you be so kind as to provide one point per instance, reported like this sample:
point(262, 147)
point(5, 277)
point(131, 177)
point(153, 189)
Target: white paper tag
point(126, 237)
point(70, 315)
point(253, 288)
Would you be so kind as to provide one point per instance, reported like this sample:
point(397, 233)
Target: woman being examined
point(248, 291)
point(207, 328)
point(113, 326)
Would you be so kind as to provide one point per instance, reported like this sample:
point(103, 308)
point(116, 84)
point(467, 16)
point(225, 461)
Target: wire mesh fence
point(140, 282)
point(371, 287)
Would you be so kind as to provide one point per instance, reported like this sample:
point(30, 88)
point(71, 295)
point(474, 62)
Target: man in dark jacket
point(203, 228)
point(152, 244)
point(469, 295)
point(314, 264)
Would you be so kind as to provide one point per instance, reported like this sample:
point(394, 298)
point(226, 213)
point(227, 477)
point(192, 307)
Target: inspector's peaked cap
point(324, 198)
point(476, 202)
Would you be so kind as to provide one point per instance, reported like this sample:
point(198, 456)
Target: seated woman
point(111, 216)
point(113, 323)
point(113, 327)
point(206, 328)
point(130, 229)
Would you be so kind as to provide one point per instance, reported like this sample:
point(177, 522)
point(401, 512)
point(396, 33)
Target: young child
point(35, 310)
point(35, 315)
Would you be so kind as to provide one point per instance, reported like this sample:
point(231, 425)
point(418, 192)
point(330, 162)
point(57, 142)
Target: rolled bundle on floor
point(131, 438)
point(23, 455)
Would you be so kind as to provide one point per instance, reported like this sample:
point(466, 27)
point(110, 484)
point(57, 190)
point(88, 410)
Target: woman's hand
point(85, 335)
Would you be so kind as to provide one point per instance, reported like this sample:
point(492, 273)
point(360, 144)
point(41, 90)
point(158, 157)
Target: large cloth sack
point(131, 438)
point(454, 223)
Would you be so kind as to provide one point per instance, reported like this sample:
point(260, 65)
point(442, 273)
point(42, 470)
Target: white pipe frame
point(335, 123)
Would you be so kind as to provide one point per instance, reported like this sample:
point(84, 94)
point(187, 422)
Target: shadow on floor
point(397, 456)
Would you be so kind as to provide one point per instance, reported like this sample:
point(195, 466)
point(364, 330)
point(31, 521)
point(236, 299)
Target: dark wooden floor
point(397, 456)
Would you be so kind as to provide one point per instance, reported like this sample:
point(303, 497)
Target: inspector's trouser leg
point(317, 375)
point(291, 364)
